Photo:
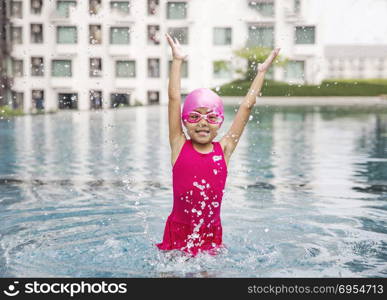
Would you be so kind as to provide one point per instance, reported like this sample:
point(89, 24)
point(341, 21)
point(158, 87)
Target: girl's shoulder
point(222, 144)
point(226, 153)
point(176, 148)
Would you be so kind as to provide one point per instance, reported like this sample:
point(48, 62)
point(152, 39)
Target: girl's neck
point(203, 148)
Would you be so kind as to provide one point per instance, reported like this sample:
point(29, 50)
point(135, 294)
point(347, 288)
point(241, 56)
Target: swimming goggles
point(195, 117)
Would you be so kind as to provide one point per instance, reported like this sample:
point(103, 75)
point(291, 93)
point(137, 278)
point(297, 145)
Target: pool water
point(86, 194)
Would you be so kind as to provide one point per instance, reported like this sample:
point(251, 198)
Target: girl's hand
point(267, 63)
point(177, 51)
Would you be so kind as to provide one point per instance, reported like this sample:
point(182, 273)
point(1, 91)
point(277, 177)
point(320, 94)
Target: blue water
point(88, 193)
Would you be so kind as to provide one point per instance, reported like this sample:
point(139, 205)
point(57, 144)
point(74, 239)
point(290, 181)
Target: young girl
point(199, 165)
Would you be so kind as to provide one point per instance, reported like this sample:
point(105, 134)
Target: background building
point(94, 54)
point(5, 51)
point(356, 61)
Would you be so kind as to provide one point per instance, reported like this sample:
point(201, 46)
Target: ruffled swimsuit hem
point(184, 237)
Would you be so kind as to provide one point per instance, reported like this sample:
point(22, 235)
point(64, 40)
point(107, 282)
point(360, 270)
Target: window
point(222, 36)
point(184, 68)
point(222, 69)
point(264, 7)
point(153, 34)
point(95, 99)
point(61, 68)
point(119, 100)
point(7, 66)
point(119, 35)
point(153, 97)
point(361, 63)
point(341, 64)
point(354, 64)
point(16, 9)
point(153, 6)
point(297, 6)
point(270, 73)
point(95, 69)
point(125, 68)
point(37, 33)
point(38, 99)
point(295, 70)
point(380, 67)
point(63, 7)
point(305, 35)
point(176, 10)
point(120, 7)
point(17, 100)
point(153, 67)
point(17, 68)
point(36, 7)
point(66, 35)
point(261, 36)
point(68, 100)
point(380, 64)
point(331, 64)
point(16, 35)
point(183, 96)
point(94, 6)
point(95, 34)
point(181, 33)
point(37, 66)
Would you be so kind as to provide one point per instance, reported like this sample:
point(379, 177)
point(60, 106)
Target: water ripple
point(87, 195)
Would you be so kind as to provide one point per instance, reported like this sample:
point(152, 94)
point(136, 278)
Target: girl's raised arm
point(174, 94)
point(230, 140)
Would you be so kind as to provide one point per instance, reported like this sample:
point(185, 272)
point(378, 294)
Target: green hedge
point(352, 87)
point(6, 111)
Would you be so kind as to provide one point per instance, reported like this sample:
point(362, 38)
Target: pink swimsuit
point(198, 186)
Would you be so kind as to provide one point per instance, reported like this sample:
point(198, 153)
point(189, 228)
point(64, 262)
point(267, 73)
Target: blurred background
point(95, 54)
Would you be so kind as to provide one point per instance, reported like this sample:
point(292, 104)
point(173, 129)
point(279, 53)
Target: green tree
point(255, 56)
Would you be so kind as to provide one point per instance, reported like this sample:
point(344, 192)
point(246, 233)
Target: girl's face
point(202, 132)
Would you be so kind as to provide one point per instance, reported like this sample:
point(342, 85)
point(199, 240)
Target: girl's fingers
point(177, 42)
point(172, 40)
point(168, 39)
point(273, 55)
point(266, 64)
point(275, 52)
point(167, 36)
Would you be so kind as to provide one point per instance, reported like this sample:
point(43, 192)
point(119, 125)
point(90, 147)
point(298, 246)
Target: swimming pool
point(87, 194)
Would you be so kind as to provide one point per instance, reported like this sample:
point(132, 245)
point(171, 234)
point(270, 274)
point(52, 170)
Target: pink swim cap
point(202, 97)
